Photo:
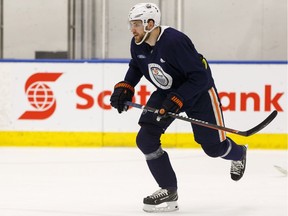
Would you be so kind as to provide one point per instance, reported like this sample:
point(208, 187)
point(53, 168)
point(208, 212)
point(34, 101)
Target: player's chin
point(137, 39)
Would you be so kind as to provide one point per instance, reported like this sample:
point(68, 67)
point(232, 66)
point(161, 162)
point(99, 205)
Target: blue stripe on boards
point(127, 61)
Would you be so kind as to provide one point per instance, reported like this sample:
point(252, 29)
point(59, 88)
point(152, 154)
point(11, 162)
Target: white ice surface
point(113, 182)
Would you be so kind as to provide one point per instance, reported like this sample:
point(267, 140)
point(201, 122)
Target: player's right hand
point(173, 103)
point(123, 91)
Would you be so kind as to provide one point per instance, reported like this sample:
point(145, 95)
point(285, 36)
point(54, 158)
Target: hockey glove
point(172, 103)
point(123, 91)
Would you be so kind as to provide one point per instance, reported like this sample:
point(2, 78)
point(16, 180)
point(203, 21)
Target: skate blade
point(163, 207)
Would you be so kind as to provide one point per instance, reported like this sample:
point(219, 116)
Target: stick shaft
point(250, 132)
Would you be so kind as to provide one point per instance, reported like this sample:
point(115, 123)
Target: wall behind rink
point(221, 30)
point(67, 104)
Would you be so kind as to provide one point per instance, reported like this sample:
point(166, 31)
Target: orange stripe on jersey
point(217, 112)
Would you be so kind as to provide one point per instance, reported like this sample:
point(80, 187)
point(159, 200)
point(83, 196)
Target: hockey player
point(182, 76)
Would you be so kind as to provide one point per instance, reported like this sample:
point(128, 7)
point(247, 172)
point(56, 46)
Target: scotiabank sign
point(235, 101)
point(76, 97)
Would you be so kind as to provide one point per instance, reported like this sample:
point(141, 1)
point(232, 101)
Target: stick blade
point(260, 126)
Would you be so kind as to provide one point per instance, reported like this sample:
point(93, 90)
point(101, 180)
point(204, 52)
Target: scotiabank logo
point(40, 96)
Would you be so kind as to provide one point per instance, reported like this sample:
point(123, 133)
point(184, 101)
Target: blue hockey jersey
point(172, 65)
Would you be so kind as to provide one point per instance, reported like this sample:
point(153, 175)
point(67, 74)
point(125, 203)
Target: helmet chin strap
point(146, 34)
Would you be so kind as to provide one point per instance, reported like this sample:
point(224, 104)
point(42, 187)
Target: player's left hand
point(172, 103)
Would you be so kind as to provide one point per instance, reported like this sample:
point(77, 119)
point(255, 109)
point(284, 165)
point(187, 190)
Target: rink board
point(75, 109)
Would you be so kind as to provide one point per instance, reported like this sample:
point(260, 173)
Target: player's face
point(137, 29)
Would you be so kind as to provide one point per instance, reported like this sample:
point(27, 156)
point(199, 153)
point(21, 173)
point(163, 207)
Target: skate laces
point(159, 193)
point(236, 167)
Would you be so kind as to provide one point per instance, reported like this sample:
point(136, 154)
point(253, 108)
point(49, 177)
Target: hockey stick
point(247, 133)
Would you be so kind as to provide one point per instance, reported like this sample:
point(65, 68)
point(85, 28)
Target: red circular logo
point(40, 96)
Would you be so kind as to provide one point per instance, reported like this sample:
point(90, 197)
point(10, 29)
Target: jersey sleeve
point(133, 74)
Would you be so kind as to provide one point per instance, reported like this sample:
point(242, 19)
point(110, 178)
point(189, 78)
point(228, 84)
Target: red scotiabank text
point(231, 101)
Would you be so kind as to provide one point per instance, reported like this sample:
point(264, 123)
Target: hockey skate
point(238, 167)
point(163, 200)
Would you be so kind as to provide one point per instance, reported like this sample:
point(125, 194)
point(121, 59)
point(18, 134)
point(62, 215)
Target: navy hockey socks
point(163, 172)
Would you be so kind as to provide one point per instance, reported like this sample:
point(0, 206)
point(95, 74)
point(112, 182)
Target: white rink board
point(267, 81)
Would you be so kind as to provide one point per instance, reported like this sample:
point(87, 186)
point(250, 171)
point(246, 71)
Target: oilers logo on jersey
point(159, 77)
